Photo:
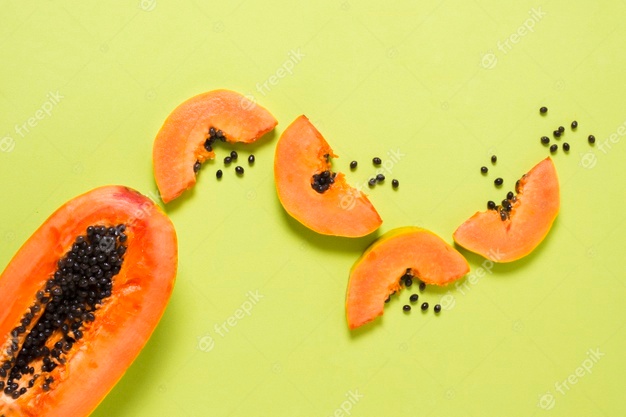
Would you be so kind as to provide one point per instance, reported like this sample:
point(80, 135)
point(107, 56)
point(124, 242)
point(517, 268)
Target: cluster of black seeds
point(322, 181)
point(70, 298)
point(214, 136)
point(559, 132)
point(406, 280)
point(505, 208)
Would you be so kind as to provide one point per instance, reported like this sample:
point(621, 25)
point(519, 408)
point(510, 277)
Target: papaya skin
point(376, 274)
point(536, 206)
point(125, 320)
point(341, 210)
point(179, 144)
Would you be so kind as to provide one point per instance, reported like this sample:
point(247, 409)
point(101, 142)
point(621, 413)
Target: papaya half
point(80, 299)
point(187, 136)
point(311, 193)
point(380, 271)
point(513, 229)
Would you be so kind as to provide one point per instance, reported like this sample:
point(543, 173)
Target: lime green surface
point(445, 85)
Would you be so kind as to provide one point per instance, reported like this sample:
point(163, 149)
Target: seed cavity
point(321, 182)
point(68, 301)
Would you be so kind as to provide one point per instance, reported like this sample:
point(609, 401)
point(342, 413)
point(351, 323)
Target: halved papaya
point(314, 195)
point(381, 269)
point(515, 228)
point(79, 301)
point(186, 139)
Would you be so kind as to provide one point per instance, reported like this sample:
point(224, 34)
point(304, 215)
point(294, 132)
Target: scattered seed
point(422, 286)
point(408, 282)
point(353, 164)
point(372, 182)
point(413, 298)
point(591, 139)
point(233, 156)
point(424, 306)
point(491, 205)
point(219, 173)
point(227, 160)
point(437, 308)
point(543, 110)
point(553, 148)
point(395, 183)
point(557, 133)
point(380, 178)
point(574, 124)
point(561, 129)
point(498, 181)
point(239, 170)
point(484, 170)
point(510, 195)
point(493, 159)
point(377, 161)
point(406, 307)
point(545, 140)
point(251, 159)
point(566, 147)
point(503, 214)
point(207, 145)
point(196, 166)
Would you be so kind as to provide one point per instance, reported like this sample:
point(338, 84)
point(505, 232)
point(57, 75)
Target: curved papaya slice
point(515, 228)
point(314, 195)
point(380, 270)
point(186, 138)
point(79, 301)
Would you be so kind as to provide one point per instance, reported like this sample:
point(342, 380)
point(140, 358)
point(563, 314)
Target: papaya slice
point(379, 272)
point(515, 228)
point(79, 301)
point(186, 138)
point(311, 193)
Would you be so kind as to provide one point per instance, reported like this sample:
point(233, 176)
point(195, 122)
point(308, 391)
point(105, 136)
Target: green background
point(443, 82)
